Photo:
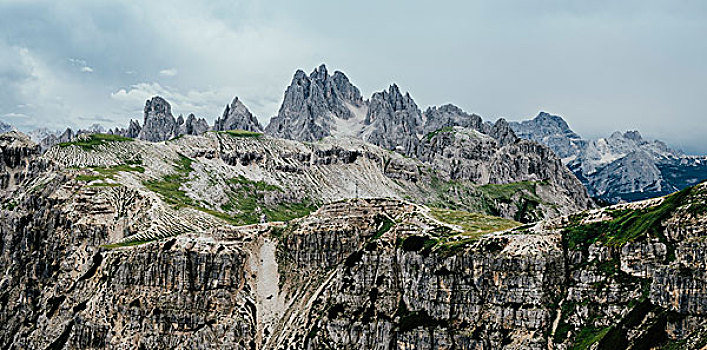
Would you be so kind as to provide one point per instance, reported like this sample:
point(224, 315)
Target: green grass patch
point(242, 133)
point(588, 336)
point(473, 224)
point(626, 226)
point(246, 198)
point(94, 140)
point(463, 195)
point(10, 204)
point(168, 186)
point(105, 173)
point(257, 185)
point(88, 178)
point(384, 224)
point(506, 191)
point(430, 135)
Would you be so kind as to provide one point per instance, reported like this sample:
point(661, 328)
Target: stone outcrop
point(160, 125)
point(464, 154)
point(553, 131)
point(449, 115)
point(237, 117)
point(18, 161)
point(79, 272)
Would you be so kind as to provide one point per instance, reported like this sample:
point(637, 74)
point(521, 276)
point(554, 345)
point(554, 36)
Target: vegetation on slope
point(246, 198)
point(473, 224)
point(488, 199)
point(646, 320)
point(246, 203)
point(105, 173)
point(626, 225)
point(241, 133)
point(90, 142)
point(446, 241)
point(432, 134)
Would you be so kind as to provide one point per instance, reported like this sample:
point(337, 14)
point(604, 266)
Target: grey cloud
point(603, 65)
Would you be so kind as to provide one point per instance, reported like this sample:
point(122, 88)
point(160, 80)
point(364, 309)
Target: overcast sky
point(602, 65)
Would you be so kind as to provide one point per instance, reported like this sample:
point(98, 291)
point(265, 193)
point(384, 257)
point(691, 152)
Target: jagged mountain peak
point(320, 73)
point(633, 135)
point(313, 105)
point(552, 120)
point(157, 105)
point(236, 116)
point(158, 123)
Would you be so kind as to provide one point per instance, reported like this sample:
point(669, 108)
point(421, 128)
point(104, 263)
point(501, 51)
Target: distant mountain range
point(621, 167)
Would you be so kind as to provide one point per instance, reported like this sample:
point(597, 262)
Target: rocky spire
point(133, 129)
point(236, 116)
point(312, 105)
point(159, 123)
point(192, 125)
point(393, 121)
point(633, 135)
point(502, 132)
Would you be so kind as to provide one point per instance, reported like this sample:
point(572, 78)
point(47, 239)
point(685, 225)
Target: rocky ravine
point(95, 261)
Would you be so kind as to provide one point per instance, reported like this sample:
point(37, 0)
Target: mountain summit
point(313, 106)
point(236, 116)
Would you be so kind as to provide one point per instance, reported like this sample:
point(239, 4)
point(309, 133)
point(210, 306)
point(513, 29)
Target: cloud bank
point(603, 65)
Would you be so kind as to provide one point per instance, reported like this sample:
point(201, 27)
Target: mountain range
point(621, 167)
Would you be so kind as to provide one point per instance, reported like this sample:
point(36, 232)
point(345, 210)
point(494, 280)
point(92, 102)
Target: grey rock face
point(133, 129)
point(313, 104)
point(634, 172)
point(18, 163)
point(450, 115)
point(237, 117)
point(393, 121)
point(552, 131)
point(52, 140)
point(159, 123)
point(192, 125)
point(502, 132)
point(467, 154)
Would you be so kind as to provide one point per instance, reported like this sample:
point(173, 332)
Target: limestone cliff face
point(81, 271)
point(449, 115)
point(18, 161)
point(393, 121)
point(465, 154)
